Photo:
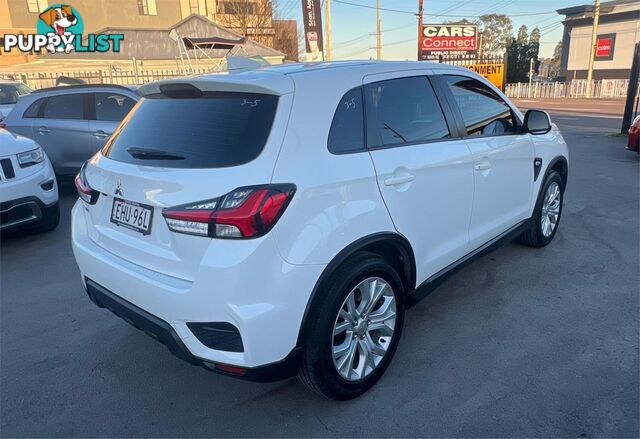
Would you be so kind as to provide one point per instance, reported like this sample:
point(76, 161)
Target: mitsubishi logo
point(119, 190)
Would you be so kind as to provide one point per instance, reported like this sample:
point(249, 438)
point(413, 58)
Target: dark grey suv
point(71, 123)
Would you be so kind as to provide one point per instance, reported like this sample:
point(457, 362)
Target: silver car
point(10, 92)
point(71, 123)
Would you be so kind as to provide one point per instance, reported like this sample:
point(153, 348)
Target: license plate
point(131, 215)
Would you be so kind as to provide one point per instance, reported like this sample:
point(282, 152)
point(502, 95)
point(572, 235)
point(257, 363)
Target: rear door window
point(112, 107)
point(404, 110)
point(69, 106)
point(219, 129)
point(347, 129)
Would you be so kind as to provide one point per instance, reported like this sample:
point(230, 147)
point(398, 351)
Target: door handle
point(483, 166)
point(100, 134)
point(44, 130)
point(401, 179)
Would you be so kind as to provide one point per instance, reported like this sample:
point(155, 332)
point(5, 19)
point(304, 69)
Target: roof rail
point(81, 86)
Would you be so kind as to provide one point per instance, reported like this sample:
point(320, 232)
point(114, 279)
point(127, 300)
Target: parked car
point(263, 224)
point(10, 92)
point(633, 143)
point(28, 189)
point(71, 123)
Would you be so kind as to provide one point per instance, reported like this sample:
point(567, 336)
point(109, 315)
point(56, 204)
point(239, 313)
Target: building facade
point(252, 18)
point(618, 32)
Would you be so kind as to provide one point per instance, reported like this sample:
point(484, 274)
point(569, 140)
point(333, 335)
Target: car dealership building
point(618, 32)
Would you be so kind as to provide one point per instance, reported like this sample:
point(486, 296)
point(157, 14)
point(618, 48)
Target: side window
point(69, 106)
point(404, 110)
point(34, 109)
point(483, 111)
point(112, 107)
point(347, 128)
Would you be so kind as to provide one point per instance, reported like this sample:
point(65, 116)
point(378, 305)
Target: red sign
point(460, 38)
point(604, 46)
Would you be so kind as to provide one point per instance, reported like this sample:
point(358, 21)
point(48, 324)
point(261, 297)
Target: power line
point(400, 11)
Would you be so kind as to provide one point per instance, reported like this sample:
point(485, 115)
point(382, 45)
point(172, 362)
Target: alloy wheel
point(363, 329)
point(550, 209)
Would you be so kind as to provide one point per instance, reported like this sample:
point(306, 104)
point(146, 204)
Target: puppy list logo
point(60, 29)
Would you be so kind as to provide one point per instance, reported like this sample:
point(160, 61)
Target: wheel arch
point(393, 247)
point(560, 165)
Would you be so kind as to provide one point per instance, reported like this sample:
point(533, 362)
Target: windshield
point(220, 129)
point(9, 93)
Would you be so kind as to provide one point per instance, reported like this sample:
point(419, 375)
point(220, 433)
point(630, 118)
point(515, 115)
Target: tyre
point(353, 330)
point(547, 212)
point(50, 220)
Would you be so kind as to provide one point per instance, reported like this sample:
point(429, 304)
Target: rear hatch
point(184, 142)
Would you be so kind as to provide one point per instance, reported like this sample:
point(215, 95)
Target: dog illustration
point(59, 19)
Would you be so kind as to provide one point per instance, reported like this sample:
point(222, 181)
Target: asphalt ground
point(521, 343)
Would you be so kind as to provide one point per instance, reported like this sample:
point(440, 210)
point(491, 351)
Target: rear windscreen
point(219, 129)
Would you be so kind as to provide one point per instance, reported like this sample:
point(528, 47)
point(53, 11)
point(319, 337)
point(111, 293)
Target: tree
point(534, 37)
point(495, 32)
point(520, 51)
point(523, 35)
point(251, 18)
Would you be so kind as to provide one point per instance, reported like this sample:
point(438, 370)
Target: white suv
point(280, 221)
point(28, 189)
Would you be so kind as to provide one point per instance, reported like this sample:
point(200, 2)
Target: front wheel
point(353, 329)
point(547, 212)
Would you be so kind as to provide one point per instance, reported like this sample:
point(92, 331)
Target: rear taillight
point(246, 212)
point(85, 192)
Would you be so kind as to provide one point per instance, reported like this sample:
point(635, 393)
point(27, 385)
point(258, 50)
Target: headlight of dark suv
point(30, 158)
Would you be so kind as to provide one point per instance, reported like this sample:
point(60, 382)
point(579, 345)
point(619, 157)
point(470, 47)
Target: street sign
point(493, 72)
point(436, 40)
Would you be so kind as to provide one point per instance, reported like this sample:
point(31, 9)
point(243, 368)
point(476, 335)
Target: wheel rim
point(550, 209)
point(363, 329)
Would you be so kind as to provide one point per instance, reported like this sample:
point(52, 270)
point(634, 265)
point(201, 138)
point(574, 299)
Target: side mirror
point(537, 122)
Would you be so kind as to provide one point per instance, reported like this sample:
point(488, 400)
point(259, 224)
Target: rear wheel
point(546, 216)
point(354, 329)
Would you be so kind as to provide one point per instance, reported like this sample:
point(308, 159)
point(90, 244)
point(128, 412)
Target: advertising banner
point(437, 40)
point(312, 19)
point(493, 72)
point(605, 44)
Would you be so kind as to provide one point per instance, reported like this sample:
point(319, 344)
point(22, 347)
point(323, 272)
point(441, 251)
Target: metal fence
point(110, 76)
point(605, 88)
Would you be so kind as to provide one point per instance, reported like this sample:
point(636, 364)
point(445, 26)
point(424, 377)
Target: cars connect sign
point(448, 39)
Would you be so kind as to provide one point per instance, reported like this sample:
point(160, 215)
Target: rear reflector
point(246, 212)
point(235, 370)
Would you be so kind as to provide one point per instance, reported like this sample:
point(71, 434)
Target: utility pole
point(378, 34)
point(327, 31)
point(420, 7)
point(594, 43)
point(531, 63)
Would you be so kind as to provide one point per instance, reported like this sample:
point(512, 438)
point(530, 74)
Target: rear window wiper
point(153, 154)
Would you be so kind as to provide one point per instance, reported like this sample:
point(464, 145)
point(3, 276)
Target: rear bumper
point(241, 287)
point(165, 334)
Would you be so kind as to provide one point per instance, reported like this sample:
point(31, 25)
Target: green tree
point(523, 35)
point(495, 32)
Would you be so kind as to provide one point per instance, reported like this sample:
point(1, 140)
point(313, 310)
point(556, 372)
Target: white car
point(28, 188)
point(280, 221)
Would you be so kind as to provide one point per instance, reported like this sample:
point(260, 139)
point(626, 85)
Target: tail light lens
point(247, 212)
point(85, 192)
